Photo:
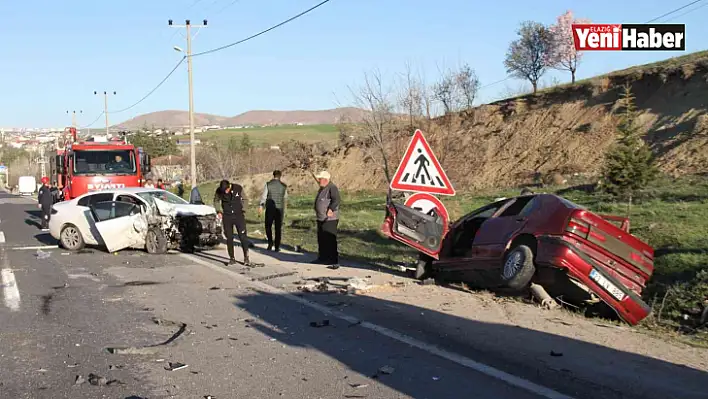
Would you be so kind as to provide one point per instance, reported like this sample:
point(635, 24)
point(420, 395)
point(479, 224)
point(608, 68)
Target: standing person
point(55, 192)
point(45, 201)
point(273, 199)
point(180, 188)
point(327, 210)
point(228, 201)
point(149, 184)
point(160, 184)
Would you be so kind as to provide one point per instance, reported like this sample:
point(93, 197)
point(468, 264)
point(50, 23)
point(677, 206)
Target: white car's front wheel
point(71, 238)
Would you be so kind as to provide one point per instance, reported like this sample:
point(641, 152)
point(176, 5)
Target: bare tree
point(467, 84)
point(411, 96)
point(528, 56)
point(218, 162)
point(445, 91)
point(378, 122)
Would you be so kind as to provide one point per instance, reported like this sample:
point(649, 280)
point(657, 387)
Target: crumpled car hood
point(167, 209)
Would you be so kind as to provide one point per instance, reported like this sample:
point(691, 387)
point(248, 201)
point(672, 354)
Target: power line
point(194, 4)
point(673, 11)
point(154, 89)
point(495, 83)
point(264, 31)
point(94, 121)
point(227, 6)
point(687, 12)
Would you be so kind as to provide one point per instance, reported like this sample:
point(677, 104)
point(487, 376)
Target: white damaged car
point(138, 218)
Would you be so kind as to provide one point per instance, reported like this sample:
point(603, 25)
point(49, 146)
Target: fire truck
point(97, 164)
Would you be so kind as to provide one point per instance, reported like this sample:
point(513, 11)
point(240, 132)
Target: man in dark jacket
point(228, 201)
point(327, 210)
point(273, 199)
point(45, 201)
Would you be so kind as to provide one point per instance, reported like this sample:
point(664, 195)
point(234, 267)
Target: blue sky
point(56, 53)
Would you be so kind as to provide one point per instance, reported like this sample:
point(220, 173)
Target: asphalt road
point(62, 314)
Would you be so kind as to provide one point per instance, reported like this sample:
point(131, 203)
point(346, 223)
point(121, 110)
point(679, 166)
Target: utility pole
point(73, 117)
point(188, 54)
point(105, 108)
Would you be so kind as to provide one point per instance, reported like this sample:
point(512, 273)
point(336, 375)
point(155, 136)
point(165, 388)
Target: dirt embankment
point(565, 130)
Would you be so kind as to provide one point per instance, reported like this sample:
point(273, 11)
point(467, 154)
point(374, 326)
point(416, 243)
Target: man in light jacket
point(327, 211)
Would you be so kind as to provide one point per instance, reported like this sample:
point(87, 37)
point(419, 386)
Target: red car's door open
point(418, 230)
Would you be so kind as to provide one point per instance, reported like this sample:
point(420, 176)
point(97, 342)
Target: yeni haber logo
point(640, 37)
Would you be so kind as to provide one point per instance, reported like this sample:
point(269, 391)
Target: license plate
point(607, 285)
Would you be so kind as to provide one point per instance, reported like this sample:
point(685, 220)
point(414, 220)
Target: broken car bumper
point(555, 251)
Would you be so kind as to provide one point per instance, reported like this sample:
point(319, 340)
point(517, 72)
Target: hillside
point(162, 119)
point(264, 117)
point(324, 117)
point(561, 133)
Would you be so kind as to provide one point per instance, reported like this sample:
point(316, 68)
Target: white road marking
point(35, 247)
point(9, 286)
point(2, 237)
point(432, 349)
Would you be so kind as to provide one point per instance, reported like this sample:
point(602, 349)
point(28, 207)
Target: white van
point(27, 185)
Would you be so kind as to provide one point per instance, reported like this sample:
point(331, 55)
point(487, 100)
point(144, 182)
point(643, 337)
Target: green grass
point(672, 217)
point(274, 135)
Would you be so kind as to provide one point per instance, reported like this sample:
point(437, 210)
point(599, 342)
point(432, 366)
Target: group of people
point(228, 201)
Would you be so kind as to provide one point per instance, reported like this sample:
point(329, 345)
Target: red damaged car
point(539, 238)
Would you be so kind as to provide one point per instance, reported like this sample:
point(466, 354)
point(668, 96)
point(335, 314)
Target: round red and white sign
point(428, 204)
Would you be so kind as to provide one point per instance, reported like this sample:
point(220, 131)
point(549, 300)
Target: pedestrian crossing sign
point(420, 170)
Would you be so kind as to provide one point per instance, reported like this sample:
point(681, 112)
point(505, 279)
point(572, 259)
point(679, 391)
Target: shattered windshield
point(101, 162)
point(166, 196)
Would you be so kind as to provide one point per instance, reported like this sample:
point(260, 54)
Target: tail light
point(579, 228)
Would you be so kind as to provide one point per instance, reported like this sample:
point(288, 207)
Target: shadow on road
point(574, 367)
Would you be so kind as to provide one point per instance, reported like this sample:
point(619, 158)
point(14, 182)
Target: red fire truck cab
point(98, 164)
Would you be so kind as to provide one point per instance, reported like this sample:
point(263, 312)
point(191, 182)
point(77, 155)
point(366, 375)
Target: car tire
point(155, 241)
point(518, 268)
point(71, 239)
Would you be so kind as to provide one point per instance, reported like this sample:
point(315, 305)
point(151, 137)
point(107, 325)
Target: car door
point(495, 233)
point(458, 250)
point(420, 231)
point(84, 220)
point(120, 224)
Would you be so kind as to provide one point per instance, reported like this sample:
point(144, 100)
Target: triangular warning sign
point(420, 171)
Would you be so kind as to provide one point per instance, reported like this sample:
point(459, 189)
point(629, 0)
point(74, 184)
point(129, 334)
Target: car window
point(521, 206)
point(487, 211)
point(571, 204)
point(95, 198)
point(163, 195)
point(128, 199)
point(113, 209)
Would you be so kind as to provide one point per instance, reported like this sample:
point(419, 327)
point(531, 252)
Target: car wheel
point(70, 238)
point(156, 242)
point(518, 267)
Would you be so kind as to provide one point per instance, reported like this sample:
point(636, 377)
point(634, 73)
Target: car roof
point(126, 190)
